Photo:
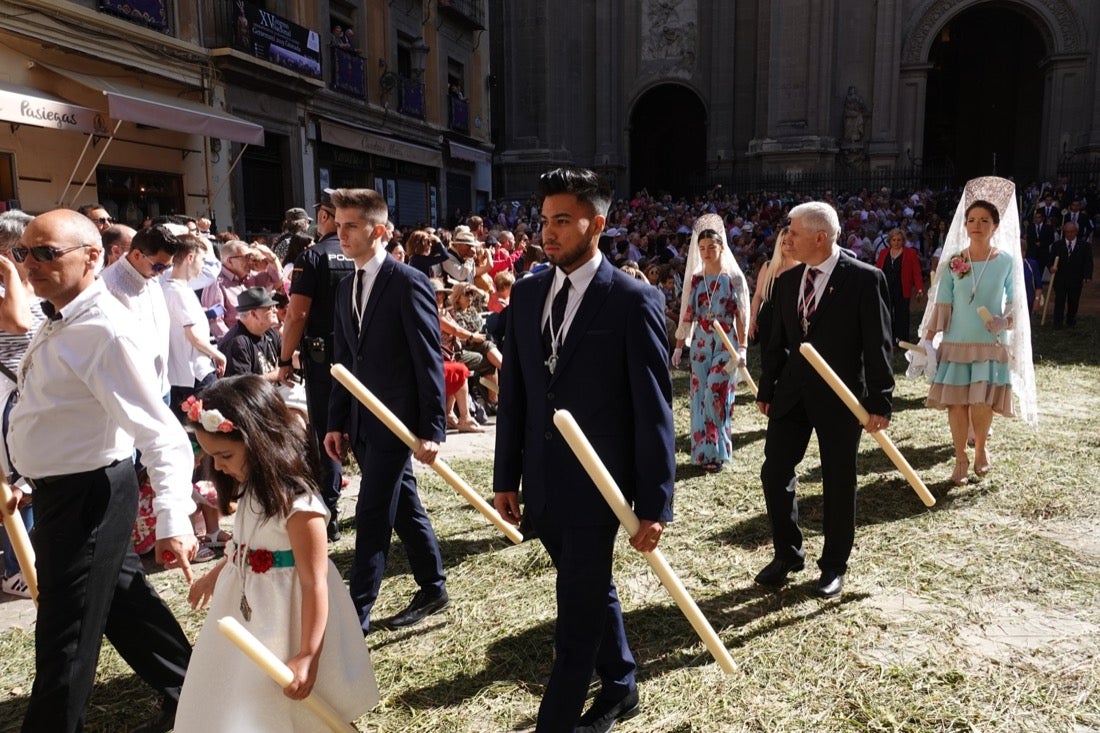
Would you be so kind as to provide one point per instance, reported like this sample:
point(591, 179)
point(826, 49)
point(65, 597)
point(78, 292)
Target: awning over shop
point(144, 107)
point(26, 106)
point(356, 138)
point(465, 152)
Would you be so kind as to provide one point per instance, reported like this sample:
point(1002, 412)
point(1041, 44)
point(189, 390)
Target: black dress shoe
point(830, 585)
point(604, 713)
point(774, 575)
point(333, 530)
point(423, 604)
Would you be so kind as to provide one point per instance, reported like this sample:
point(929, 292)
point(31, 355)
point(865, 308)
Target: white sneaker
point(14, 585)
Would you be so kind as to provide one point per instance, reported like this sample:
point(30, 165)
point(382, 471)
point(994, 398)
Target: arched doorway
point(985, 95)
point(668, 140)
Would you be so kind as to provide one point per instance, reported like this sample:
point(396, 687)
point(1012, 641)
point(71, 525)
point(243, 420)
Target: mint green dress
point(973, 363)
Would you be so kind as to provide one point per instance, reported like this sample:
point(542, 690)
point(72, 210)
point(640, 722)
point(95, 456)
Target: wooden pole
point(599, 474)
point(278, 671)
point(822, 367)
point(741, 368)
point(383, 413)
point(1050, 291)
point(20, 541)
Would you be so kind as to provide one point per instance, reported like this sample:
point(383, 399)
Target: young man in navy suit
point(587, 338)
point(839, 305)
point(386, 334)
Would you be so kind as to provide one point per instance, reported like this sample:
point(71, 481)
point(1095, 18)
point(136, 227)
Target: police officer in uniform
point(308, 326)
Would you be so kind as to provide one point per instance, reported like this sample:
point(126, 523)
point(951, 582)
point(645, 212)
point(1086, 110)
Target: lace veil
point(694, 266)
point(1002, 194)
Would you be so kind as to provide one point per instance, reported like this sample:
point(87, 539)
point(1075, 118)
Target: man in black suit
point(585, 337)
point(308, 328)
point(839, 305)
point(386, 333)
point(1040, 236)
point(1076, 214)
point(1073, 271)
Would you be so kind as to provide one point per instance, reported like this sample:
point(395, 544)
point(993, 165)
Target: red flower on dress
point(261, 560)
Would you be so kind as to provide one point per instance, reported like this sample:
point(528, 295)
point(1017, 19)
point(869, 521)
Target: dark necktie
point(1070, 245)
point(554, 325)
point(808, 293)
point(357, 305)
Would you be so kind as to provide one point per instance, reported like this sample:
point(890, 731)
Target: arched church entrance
point(668, 140)
point(985, 94)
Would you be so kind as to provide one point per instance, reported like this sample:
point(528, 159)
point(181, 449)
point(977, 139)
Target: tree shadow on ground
point(117, 704)
point(888, 498)
point(661, 637)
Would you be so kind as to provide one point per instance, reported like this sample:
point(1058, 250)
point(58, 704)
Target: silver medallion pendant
point(552, 363)
point(246, 610)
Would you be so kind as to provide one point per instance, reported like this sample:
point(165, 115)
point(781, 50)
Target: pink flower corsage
point(212, 421)
point(959, 265)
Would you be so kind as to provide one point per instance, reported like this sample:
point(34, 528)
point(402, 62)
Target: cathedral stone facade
point(684, 94)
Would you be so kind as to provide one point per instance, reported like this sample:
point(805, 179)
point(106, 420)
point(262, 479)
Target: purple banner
point(273, 38)
point(153, 13)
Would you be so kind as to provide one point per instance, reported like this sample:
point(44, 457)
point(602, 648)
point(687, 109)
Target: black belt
point(46, 482)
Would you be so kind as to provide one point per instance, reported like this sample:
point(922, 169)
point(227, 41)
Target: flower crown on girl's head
point(212, 421)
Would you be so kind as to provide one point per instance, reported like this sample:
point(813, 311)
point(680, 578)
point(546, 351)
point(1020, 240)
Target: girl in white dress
point(276, 578)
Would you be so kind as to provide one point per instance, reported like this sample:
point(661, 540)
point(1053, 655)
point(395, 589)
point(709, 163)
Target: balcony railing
point(471, 11)
point(459, 117)
point(155, 14)
point(348, 72)
point(410, 100)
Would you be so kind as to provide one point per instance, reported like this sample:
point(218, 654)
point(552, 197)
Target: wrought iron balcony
point(459, 117)
point(348, 72)
point(410, 99)
point(470, 11)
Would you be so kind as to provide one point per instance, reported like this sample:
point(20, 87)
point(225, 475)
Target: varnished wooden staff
point(277, 670)
point(1050, 290)
point(822, 367)
point(599, 474)
point(741, 368)
point(391, 421)
point(20, 540)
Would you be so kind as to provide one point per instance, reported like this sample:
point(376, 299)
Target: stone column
point(1065, 108)
point(912, 105)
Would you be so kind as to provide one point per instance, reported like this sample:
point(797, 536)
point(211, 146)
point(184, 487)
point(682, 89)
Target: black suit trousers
point(1067, 298)
point(389, 502)
point(92, 582)
point(785, 445)
point(318, 383)
point(589, 634)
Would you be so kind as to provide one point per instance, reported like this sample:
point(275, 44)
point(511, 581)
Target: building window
point(458, 106)
point(131, 195)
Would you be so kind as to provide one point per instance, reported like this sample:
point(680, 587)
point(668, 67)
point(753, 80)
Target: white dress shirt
point(824, 271)
point(88, 395)
point(369, 270)
point(144, 299)
point(579, 280)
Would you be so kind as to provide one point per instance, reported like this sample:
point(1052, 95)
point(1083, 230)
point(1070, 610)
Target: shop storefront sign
point(28, 107)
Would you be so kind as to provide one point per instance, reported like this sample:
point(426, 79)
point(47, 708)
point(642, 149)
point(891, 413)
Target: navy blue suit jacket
point(850, 328)
point(397, 355)
point(612, 375)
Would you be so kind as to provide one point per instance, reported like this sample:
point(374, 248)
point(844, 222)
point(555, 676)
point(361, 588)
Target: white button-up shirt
point(144, 298)
point(88, 395)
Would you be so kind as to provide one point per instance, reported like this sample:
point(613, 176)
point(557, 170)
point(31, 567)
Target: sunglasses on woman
point(43, 253)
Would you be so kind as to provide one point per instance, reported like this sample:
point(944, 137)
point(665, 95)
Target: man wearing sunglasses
point(135, 280)
point(98, 216)
point(87, 397)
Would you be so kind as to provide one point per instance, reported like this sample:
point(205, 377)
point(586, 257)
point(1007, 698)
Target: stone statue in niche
point(669, 31)
point(855, 116)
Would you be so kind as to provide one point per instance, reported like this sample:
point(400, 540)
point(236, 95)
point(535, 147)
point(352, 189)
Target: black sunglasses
point(156, 267)
point(42, 254)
